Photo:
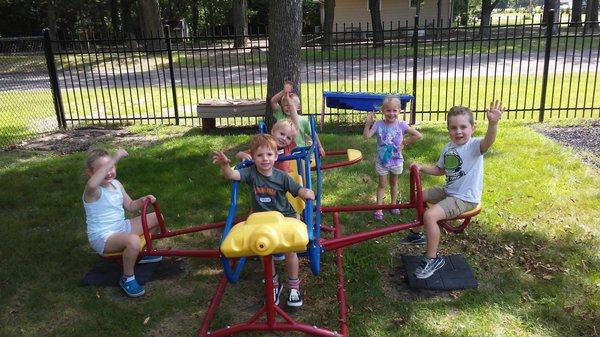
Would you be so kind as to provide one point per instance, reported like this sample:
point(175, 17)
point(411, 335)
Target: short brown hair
point(282, 123)
point(93, 154)
point(460, 110)
point(262, 139)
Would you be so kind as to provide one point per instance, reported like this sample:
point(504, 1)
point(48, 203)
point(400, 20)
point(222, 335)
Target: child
point(462, 163)
point(290, 104)
point(269, 186)
point(105, 201)
point(390, 142)
point(284, 132)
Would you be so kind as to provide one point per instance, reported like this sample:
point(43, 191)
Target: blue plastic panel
point(362, 101)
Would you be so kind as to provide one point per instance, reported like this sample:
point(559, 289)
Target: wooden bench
point(209, 110)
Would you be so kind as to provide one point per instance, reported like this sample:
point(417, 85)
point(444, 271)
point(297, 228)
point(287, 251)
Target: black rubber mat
point(107, 273)
point(455, 274)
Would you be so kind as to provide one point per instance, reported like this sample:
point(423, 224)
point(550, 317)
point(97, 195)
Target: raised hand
point(495, 111)
point(120, 154)
point(370, 118)
point(220, 158)
point(288, 86)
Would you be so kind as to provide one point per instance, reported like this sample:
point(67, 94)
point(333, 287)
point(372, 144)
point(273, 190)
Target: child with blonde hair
point(284, 132)
point(390, 142)
point(105, 201)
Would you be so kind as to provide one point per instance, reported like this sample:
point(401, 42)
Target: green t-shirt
point(268, 193)
point(304, 126)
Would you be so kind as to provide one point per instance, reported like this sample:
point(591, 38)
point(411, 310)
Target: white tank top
point(106, 213)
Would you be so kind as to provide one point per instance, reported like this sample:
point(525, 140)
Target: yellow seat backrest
point(297, 203)
point(265, 233)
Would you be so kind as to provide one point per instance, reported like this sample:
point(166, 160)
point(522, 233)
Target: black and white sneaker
point(277, 293)
point(413, 238)
point(295, 298)
point(429, 266)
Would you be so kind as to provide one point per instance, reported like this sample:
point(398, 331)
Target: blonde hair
point(460, 110)
point(262, 139)
point(285, 123)
point(389, 100)
point(92, 155)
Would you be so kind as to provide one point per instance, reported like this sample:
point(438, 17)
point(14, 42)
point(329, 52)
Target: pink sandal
point(378, 215)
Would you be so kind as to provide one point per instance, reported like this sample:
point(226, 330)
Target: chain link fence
point(26, 106)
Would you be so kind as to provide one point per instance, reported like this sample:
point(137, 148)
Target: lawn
point(533, 248)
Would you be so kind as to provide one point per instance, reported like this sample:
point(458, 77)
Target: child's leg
point(431, 217)
point(136, 224)
point(381, 188)
point(129, 244)
point(393, 187)
point(292, 264)
point(294, 298)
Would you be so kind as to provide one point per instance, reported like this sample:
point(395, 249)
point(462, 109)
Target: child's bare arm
point(494, 114)
point(243, 155)
point(287, 88)
point(368, 131)
point(414, 136)
point(306, 194)
point(134, 205)
point(431, 170)
point(219, 158)
point(92, 191)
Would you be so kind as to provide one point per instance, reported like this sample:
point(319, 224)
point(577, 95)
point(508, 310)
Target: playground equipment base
point(455, 274)
point(107, 273)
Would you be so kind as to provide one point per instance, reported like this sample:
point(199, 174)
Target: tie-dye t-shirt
point(389, 140)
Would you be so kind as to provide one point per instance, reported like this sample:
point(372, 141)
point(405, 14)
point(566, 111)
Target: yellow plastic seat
point(297, 203)
point(118, 254)
point(354, 155)
point(265, 233)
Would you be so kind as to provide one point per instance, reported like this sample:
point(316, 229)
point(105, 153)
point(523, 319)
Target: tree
point(285, 41)
point(376, 23)
point(240, 23)
point(591, 14)
point(328, 24)
point(576, 14)
point(487, 6)
point(149, 21)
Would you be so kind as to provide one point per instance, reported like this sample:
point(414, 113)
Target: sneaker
point(378, 215)
point(413, 238)
point(295, 298)
point(150, 259)
point(429, 266)
point(132, 288)
point(395, 211)
point(279, 257)
point(277, 293)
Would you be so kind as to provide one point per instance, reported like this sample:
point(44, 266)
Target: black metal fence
point(540, 71)
point(25, 109)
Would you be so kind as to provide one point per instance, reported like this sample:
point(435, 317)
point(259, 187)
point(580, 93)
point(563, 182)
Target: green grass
point(533, 248)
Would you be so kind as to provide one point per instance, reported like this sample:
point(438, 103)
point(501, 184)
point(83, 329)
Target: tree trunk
point(51, 12)
point(576, 14)
point(195, 9)
point(285, 40)
point(327, 30)
point(240, 23)
point(126, 18)
point(150, 25)
point(487, 6)
point(114, 17)
point(376, 23)
point(591, 14)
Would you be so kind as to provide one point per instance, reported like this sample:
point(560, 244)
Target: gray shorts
point(452, 206)
point(384, 171)
point(98, 241)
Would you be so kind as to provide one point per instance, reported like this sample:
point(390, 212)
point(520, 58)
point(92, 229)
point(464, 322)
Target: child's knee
point(133, 242)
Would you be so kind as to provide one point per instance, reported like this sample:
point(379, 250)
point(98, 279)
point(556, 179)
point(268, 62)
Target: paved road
point(348, 70)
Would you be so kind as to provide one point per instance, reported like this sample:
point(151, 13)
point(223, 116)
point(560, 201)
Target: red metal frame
point(265, 318)
point(336, 164)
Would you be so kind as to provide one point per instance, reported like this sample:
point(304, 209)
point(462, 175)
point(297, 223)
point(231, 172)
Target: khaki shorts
point(452, 206)
point(384, 171)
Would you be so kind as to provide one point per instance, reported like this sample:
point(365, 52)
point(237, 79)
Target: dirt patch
point(81, 139)
point(584, 137)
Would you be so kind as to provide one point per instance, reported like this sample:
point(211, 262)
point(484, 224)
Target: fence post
point(170, 53)
point(547, 51)
point(415, 45)
point(51, 65)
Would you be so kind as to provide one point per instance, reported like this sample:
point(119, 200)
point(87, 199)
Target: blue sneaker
point(429, 266)
point(277, 293)
point(150, 259)
point(132, 288)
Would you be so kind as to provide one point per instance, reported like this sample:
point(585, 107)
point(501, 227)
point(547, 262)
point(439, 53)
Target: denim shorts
point(99, 240)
